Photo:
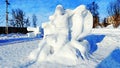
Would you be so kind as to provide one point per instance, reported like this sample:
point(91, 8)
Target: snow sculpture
point(56, 45)
point(82, 20)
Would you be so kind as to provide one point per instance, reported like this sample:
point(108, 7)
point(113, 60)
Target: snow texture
point(12, 38)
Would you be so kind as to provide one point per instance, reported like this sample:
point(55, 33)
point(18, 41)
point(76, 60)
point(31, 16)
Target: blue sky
point(44, 8)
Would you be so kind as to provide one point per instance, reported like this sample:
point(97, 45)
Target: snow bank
point(12, 36)
point(104, 31)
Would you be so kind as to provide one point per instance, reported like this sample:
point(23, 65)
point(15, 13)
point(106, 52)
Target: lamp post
point(6, 29)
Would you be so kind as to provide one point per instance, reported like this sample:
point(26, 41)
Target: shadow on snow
point(112, 61)
point(93, 40)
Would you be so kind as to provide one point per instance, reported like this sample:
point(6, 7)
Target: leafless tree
point(1, 19)
point(18, 18)
point(93, 7)
point(27, 22)
point(114, 11)
point(105, 24)
point(34, 19)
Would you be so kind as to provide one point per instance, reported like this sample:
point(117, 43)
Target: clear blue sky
point(44, 8)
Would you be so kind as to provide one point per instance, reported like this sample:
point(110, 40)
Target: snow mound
point(110, 26)
point(33, 31)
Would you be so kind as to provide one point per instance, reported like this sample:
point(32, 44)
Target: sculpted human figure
point(81, 26)
point(60, 22)
point(56, 33)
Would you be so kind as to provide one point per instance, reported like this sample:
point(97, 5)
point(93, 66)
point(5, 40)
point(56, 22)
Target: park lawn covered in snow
point(105, 50)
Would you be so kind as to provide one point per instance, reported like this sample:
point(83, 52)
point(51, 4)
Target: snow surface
point(105, 54)
point(12, 38)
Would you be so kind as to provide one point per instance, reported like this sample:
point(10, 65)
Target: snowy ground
point(105, 50)
point(11, 55)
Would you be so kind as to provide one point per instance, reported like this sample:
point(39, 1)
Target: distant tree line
point(34, 19)
point(93, 7)
point(19, 19)
point(113, 12)
point(22, 30)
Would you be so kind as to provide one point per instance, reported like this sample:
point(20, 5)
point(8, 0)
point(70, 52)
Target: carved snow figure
point(57, 46)
point(81, 23)
point(81, 27)
point(57, 28)
point(60, 21)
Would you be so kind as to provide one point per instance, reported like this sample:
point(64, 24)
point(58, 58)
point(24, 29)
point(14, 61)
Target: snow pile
point(110, 26)
point(12, 38)
point(62, 34)
point(33, 31)
point(105, 31)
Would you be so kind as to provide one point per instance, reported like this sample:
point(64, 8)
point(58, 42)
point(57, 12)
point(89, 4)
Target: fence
point(14, 30)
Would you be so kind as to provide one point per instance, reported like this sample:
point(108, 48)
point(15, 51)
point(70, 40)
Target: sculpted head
point(82, 7)
point(79, 9)
point(59, 10)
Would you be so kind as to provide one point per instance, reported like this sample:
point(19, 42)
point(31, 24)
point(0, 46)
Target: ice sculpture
point(56, 46)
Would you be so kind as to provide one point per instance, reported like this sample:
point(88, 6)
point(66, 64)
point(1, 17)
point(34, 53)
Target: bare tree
point(114, 11)
point(34, 19)
point(18, 18)
point(93, 7)
point(105, 24)
point(1, 19)
point(27, 22)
